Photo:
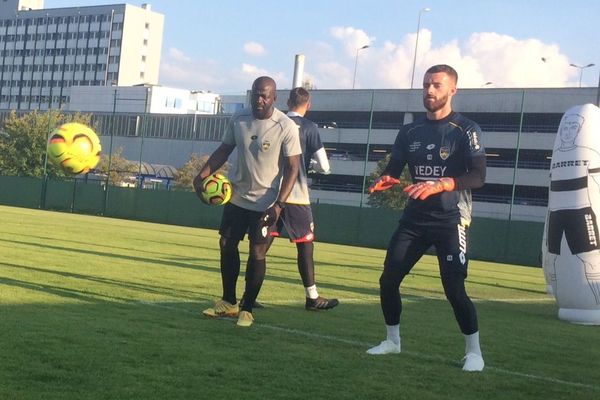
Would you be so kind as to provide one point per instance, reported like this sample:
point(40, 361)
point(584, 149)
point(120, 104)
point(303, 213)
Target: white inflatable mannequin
point(571, 248)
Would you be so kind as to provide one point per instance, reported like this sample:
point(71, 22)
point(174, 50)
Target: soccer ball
point(216, 190)
point(74, 147)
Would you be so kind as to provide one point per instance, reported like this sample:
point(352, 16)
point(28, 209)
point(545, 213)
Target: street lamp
point(487, 84)
point(581, 68)
point(366, 46)
point(412, 78)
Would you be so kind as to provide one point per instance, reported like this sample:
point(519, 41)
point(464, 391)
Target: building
point(46, 52)
point(358, 128)
point(142, 99)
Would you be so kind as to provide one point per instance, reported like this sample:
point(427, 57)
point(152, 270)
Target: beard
point(435, 105)
point(262, 113)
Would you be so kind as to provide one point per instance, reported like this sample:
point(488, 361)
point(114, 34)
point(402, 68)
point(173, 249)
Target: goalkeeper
point(446, 160)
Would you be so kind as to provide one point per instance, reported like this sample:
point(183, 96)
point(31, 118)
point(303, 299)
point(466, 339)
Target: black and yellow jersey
point(450, 147)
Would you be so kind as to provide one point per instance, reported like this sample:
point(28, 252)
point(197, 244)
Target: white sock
point(311, 292)
point(472, 343)
point(393, 333)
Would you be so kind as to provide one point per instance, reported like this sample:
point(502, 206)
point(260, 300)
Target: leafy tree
point(393, 198)
point(24, 139)
point(185, 175)
point(121, 169)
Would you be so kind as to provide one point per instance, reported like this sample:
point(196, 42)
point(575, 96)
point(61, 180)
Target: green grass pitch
point(100, 308)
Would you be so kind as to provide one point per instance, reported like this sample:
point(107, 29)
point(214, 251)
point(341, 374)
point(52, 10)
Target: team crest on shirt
point(444, 152)
point(265, 145)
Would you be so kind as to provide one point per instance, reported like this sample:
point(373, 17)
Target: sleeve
point(229, 136)
point(291, 140)
point(313, 139)
point(398, 157)
point(321, 164)
point(475, 160)
point(315, 150)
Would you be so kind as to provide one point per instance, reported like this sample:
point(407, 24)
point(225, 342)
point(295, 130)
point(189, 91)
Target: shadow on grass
point(110, 347)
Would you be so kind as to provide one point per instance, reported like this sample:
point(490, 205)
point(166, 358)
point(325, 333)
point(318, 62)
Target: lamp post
point(366, 46)
point(581, 68)
point(412, 77)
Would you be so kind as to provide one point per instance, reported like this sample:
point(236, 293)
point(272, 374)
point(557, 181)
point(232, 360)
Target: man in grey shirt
point(267, 163)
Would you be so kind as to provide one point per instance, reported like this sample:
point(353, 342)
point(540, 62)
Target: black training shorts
point(298, 222)
point(238, 221)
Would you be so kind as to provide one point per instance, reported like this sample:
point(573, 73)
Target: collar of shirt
point(293, 114)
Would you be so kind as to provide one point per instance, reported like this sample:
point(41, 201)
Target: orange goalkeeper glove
point(383, 183)
point(423, 190)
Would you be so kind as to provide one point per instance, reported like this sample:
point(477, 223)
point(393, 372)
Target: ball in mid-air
point(74, 147)
point(216, 190)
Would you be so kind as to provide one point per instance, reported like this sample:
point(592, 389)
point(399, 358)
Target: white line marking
point(374, 300)
point(365, 345)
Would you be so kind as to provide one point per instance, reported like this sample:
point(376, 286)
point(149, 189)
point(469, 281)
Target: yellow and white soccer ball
point(216, 190)
point(74, 147)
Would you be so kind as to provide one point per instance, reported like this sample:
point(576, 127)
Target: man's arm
point(215, 161)
point(475, 177)
point(321, 162)
point(290, 174)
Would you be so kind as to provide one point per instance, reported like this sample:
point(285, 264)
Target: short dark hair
point(265, 81)
point(298, 97)
point(451, 72)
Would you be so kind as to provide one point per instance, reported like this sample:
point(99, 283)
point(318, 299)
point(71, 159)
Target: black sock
point(230, 270)
point(306, 264)
point(255, 275)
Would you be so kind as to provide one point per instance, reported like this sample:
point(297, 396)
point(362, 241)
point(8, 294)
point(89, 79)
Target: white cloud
point(483, 57)
point(177, 55)
point(254, 49)
point(352, 38)
point(253, 70)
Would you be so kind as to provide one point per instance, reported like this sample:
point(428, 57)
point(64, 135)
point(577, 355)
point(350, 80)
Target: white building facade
point(46, 52)
point(142, 99)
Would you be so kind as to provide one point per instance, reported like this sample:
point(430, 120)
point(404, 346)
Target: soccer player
point(446, 160)
point(267, 163)
point(297, 215)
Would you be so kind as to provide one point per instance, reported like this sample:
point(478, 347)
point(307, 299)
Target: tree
point(24, 140)
point(185, 175)
point(121, 169)
point(393, 198)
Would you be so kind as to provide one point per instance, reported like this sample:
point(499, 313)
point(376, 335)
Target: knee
point(389, 281)
point(454, 288)
point(227, 246)
point(258, 251)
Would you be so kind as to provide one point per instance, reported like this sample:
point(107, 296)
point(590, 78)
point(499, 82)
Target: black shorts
point(579, 226)
point(410, 241)
point(298, 222)
point(238, 221)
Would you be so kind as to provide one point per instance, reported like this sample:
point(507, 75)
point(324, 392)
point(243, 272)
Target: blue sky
point(223, 45)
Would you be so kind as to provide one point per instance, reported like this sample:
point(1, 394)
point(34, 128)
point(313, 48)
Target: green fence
point(514, 242)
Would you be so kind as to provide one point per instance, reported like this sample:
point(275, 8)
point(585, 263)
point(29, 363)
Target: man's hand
point(198, 187)
point(271, 215)
point(383, 183)
point(423, 190)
